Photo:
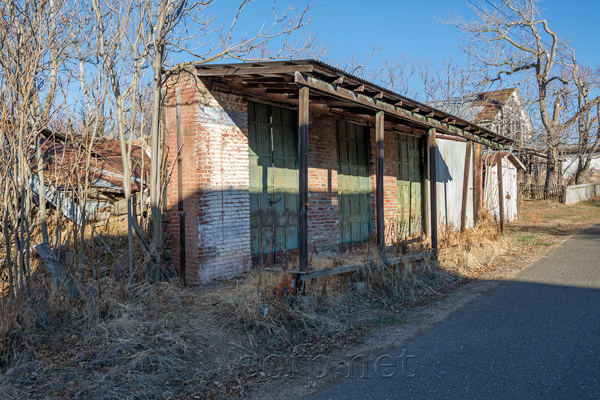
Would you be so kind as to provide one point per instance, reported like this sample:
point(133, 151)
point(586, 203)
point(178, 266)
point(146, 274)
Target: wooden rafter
point(365, 101)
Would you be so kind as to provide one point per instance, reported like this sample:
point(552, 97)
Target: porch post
point(433, 189)
point(303, 117)
point(500, 190)
point(465, 192)
point(379, 135)
point(426, 184)
point(476, 182)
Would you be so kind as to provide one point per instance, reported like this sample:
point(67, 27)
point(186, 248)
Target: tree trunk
point(551, 170)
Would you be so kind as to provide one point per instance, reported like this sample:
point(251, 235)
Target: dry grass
point(157, 342)
point(464, 254)
point(259, 305)
point(264, 302)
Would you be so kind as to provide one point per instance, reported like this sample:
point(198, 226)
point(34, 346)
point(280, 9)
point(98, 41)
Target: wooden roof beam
point(374, 104)
point(274, 70)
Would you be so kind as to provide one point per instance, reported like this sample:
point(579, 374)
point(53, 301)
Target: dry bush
point(265, 303)
point(466, 253)
point(405, 283)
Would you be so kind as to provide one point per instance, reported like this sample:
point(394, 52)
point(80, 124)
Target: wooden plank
point(180, 185)
point(303, 121)
point(319, 273)
point(286, 69)
point(433, 190)
point(476, 181)
point(379, 192)
point(344, 269)
point(379, 105)
point(500, 190)
point(465, 192)
point(59, 274)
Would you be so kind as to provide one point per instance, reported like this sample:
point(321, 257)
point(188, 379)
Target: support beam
point(465, 192)
point(433, 190)
point(476, 182)
point(303, 121)
point(427, 185)
point(180, 186)
point(500, 191)
point(379, 192)
point(245, 70)
point(355, 97)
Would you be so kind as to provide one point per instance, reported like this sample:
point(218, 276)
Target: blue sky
point(410, 27)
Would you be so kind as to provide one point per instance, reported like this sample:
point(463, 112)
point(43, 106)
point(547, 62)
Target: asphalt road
point(534, 337)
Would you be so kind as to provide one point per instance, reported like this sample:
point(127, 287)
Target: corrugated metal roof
point(331, 70)
point(65, 163)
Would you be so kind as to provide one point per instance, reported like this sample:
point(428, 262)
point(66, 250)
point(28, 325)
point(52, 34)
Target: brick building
point(294, 155)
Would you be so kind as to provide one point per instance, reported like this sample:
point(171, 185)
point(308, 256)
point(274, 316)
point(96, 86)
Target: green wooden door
point(354, 185)
point(273, 178)
point(410, 205)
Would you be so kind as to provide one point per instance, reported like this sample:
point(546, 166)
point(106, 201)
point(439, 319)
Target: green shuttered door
point(408, 156)
point(273, 178)
point(354, 185)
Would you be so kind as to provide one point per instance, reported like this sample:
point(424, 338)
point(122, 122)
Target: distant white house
point(501, 111)
point(571, 162)
point(510, 185)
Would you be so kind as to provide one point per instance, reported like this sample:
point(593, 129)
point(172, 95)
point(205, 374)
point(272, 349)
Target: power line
point(509, 18)
point(512, 20)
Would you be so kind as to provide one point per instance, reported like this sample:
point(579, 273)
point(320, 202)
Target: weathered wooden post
point(426, 186)
point(476, 182)
point(180, 186)
point(379, 192)
point(500, 190)
point(433, 189)
point(303, 121)
point(465, 192)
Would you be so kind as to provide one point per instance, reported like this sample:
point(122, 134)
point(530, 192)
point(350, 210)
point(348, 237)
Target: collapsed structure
point(294, 156)
point(65, 172)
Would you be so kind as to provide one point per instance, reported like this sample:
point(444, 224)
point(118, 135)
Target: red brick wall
point(323, 212)
point(216, 181)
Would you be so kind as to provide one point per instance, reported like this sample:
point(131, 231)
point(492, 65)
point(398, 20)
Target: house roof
point(65, 163)
point(480, 107)
point(491, 104)
point(337, 90)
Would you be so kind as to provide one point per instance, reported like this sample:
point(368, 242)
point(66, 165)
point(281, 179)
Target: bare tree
point(586, 82)
point(34, 44)
point(132, 41)
point(511, 39)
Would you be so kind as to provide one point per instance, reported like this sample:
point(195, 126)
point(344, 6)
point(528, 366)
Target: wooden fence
point(539, 192)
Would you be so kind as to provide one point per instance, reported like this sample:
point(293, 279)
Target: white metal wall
point(450, 177)
point(511, 190)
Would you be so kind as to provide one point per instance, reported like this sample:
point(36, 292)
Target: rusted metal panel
point(65, 163)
